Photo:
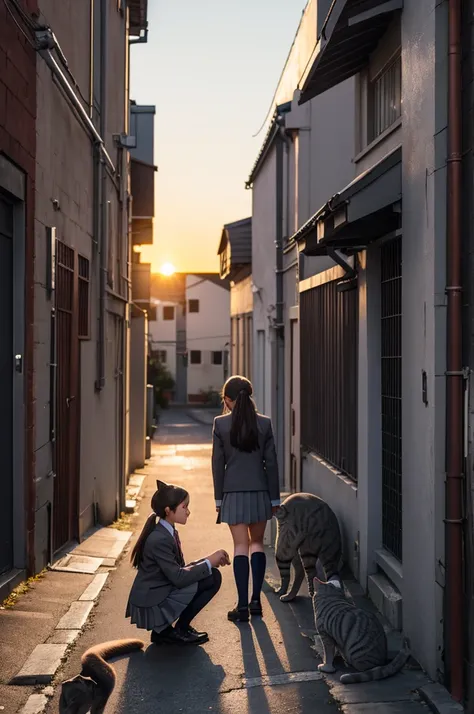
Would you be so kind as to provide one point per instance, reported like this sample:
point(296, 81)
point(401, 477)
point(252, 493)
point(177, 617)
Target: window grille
point(329, 375)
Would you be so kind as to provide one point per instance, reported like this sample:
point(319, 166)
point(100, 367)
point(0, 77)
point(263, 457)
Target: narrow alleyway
point(239, 670)
point(209, 678)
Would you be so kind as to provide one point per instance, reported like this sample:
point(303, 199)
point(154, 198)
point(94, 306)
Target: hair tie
point(243, 391)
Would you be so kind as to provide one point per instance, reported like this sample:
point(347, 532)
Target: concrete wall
point(65, 174)
point(17, 151)
point(424, 42)
point(207, 331)
point(138, 365)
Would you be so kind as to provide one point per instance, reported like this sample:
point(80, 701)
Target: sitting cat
point(308, 531)
point(91, 689)
point(356, 634)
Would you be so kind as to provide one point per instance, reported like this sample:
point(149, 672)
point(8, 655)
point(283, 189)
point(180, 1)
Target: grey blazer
point(160, 571)
point(235, 470)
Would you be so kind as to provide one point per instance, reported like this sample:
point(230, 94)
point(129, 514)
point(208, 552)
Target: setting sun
point(167, 269)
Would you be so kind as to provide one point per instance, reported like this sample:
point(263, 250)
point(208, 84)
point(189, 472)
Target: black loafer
point(195, 632)
point(255, 608)
point(238, 614)
point(189, 637)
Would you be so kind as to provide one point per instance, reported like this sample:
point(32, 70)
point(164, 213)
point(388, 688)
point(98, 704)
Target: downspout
point(454, 628)
point(281, 143)
point(103, 203)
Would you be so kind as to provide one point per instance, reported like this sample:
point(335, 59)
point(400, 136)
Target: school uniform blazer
point(160, 571)
point(235, 470)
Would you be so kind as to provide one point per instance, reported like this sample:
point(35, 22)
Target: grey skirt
point(159, 617)
point(246, 507)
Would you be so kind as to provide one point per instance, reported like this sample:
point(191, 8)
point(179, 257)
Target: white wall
point(241, 297)
point(162, 334)
point(207, 331)
point(264, 280)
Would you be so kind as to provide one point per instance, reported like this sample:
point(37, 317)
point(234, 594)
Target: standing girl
point(246, 487)
point(165, 589)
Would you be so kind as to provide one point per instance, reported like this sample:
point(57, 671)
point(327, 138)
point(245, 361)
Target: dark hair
point(244, 429)
point(166, 496)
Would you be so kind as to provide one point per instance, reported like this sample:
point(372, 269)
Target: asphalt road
point(238, 670)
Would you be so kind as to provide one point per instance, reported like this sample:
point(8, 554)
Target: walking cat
point(357, 635)
point(307, 531)
point(91, 689)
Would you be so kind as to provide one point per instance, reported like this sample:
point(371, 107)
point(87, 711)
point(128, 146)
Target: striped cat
point(356, 634)
point(307, 531)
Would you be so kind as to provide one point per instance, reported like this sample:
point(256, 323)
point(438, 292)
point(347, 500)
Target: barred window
point(329, 330)
point(195, 356)
point(385, 99)
point(83, 297)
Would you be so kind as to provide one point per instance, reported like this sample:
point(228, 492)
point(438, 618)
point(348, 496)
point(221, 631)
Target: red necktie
point(180, 550)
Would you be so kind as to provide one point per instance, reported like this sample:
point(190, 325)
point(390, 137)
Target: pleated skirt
point(246, 507)
point(159, 617)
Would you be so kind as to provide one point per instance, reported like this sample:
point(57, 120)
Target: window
point(83, 298)
point(224, 261)
point(385, 99)
point(194, 306)
point(161, 355)
point(195, 356)
point(329, 374)
point(168, 312)
point(217, 358)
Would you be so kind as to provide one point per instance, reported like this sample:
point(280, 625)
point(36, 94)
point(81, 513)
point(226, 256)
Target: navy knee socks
point(259, 564)
point(241, 575)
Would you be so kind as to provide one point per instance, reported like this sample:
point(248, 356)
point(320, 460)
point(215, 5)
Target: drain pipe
point(282, 143)
point(454, 628)
point(103, 203)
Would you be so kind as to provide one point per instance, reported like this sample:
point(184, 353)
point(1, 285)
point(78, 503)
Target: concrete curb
point(439, 700)
point(45, 660)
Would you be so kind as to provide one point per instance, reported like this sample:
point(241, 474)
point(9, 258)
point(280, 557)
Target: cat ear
point(160, 485)
point(281, 514)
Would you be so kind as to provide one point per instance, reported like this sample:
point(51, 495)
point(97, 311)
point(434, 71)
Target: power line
point(10, 12)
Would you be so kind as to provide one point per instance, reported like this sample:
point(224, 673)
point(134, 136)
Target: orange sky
point(211, 77)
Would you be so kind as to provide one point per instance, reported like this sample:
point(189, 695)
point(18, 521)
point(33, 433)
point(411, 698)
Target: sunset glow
point(167, 269)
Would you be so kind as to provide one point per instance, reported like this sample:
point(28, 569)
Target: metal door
point(6, 385)
point(67, 399)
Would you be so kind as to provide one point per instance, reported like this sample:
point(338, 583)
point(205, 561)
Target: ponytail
point(166, 496)
point(137, 552)
point(244, 427)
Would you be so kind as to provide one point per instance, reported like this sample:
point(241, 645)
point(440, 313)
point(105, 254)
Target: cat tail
point(387, 670)
point(94, 663)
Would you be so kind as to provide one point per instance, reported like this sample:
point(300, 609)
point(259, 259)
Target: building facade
point(207, 335)
point(355, 178)
point(65, 182)
point(17, 316)
point(235, 264)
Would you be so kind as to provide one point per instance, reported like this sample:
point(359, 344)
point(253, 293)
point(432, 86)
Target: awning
point(349, 35)
point(367, 209)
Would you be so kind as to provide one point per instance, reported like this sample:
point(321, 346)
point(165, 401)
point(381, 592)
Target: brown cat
point(91, 689)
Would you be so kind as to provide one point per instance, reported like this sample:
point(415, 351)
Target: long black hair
point(244, 429)
point(166, 496)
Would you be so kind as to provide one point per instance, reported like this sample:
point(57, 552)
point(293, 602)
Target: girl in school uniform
point(246, 487)
point(166, 590)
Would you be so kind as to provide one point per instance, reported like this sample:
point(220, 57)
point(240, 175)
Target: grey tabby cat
point(308, 531)
point(356, 634)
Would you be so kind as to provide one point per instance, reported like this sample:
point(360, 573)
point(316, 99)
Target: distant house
point(190, 332)
point(235, 259)
point(207, 335)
